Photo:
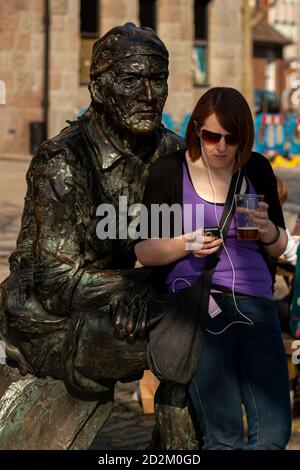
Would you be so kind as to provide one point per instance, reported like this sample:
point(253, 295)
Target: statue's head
point(129, 73)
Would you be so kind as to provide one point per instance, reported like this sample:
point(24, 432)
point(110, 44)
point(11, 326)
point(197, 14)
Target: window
point(270, 71)
point(89, 30)
point(200, 19)
point(148, 13)
point(88, 17)
point(200, 42)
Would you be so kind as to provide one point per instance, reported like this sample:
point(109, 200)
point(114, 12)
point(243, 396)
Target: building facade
point(268, 59)
point(285, 17)
point(45, 48)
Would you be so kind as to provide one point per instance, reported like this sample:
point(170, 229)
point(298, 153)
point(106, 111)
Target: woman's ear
point(196, 127)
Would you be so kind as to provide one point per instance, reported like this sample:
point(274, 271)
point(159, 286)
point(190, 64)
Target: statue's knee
point(172, 395)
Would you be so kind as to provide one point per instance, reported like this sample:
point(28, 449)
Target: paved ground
point(128, 427)
point(12, 193)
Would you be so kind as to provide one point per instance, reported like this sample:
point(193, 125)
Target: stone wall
point(64, 63)
point(22, 68)
point(21, 65)
point(224, 37)
point(117, 12)
point(176, 29)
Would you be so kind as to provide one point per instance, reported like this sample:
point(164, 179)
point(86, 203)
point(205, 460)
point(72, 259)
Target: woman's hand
point(210, 245)
point(261, 219)
point(273, 238)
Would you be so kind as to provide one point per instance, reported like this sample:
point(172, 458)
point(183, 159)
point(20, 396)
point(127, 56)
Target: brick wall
point(259, 65)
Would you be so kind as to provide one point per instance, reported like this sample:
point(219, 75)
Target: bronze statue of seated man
point(74, 307)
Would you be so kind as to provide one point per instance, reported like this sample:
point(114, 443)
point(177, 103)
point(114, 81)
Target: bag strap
point(227, 215)
point(229, 207)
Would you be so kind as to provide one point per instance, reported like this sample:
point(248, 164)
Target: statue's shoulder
point(170, 143)
point(64, 148)
point(59, 164)
point(69, 140)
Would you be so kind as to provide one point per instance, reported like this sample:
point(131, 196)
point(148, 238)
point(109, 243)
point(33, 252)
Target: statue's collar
point(106, 153)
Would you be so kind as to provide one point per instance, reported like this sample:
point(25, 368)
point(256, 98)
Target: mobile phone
point(212, 232)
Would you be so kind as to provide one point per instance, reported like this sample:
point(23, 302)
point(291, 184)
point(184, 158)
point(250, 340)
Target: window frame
point(203, 43)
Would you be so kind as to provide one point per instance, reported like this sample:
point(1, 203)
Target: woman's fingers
point(208, 248)
point(260, 217)
point(263, 206)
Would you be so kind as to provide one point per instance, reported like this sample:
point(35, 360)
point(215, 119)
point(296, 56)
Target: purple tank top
point(252, 275)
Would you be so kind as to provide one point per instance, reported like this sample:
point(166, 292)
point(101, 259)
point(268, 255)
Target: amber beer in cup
point(247, 233)
point(246, 204)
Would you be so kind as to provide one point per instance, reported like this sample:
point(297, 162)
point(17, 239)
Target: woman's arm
point(274, 240)
point(159, 190)
point(161, 251)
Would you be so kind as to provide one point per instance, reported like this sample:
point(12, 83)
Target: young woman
point(243, 358)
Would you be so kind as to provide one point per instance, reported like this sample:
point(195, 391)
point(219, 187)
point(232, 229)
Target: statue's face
point(134, 92)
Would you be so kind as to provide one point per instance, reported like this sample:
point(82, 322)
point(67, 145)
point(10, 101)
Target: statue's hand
point(130, 313)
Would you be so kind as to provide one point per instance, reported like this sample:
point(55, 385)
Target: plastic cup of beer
point(246, 204)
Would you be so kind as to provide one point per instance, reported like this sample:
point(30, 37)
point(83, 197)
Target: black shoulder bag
point(177, 328)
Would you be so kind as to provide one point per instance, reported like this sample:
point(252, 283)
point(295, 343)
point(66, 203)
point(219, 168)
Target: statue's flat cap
point(125, 41)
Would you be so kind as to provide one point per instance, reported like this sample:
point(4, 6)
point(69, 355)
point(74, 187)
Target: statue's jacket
point(54, 310)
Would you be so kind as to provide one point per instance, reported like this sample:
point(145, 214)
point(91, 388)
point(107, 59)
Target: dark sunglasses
point(214, 137)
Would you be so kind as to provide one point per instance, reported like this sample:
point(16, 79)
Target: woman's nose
point(221, 145)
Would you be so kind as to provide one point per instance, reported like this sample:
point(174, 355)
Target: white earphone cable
point(249, 322)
